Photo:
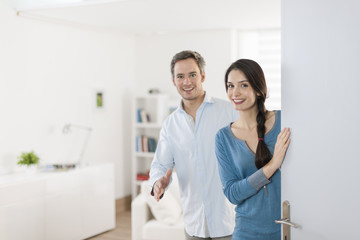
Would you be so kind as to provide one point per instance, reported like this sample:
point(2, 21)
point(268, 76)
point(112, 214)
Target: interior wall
point(154, 53)
point(49, 74)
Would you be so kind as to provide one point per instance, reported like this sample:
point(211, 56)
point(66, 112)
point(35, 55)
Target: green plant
point(28, 158)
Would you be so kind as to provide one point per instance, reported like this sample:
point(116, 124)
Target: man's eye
point(193, 75)
point(180, 76)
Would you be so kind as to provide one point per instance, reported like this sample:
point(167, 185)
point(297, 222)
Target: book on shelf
point(151, 145)
point(142, 176)
point(143, 116)
point(145, 144)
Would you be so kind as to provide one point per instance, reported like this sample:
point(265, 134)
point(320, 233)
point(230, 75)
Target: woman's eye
point(230, 86)
point(244, 85)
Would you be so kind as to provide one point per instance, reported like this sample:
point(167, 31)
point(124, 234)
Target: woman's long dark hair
point(256, 78)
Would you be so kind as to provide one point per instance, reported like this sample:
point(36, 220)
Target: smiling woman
point(250, 152)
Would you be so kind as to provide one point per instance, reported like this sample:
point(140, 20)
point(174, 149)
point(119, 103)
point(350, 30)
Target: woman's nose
point(236, 91)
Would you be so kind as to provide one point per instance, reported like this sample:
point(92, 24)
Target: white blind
point(264, 47)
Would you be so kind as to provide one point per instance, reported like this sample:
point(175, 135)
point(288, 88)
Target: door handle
point(286, 221)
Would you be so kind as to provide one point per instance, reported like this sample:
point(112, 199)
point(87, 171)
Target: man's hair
point(185, 55)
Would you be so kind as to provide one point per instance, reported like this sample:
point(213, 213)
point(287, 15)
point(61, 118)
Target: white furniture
point(75, 204)
point(155, 106)
point(168, 223)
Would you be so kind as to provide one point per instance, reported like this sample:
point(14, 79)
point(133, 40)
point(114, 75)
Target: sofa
point(152, 220)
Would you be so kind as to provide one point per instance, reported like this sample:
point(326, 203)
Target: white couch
point(163, 220)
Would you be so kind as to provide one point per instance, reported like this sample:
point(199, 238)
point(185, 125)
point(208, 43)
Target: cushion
point(167, 210)
point(156, 230)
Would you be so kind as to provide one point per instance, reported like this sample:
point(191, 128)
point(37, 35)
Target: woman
point(250, 152)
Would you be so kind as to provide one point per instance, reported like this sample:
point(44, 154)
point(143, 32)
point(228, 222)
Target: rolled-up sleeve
point(163, 159)
point(236, 189)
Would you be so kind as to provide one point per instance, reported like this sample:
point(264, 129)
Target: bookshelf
point(149, 111)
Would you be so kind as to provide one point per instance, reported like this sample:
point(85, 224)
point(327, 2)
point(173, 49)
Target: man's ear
point(203, 77)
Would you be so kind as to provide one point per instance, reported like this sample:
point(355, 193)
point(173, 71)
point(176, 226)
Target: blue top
point(257, 199)
point(189, 146)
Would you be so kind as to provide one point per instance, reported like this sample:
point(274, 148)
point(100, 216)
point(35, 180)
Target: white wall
point(48, 73)
point(155, 52)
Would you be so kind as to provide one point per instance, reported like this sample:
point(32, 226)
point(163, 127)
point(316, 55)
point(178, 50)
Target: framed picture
point(99, 99)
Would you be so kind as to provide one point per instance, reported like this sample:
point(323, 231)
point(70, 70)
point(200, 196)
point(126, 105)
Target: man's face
point(188, 79)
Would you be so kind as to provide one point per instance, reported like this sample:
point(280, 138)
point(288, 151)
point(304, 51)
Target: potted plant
point(29, 160)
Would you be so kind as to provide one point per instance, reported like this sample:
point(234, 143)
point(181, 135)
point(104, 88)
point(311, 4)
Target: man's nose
point(187, 80)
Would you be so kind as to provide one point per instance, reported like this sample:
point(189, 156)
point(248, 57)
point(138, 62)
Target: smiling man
point(187, 142)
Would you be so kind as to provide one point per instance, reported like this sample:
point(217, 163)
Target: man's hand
point(161, 184)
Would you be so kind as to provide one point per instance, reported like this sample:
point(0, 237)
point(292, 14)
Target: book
point(144, 116)
point(138, 116)
point(142, 176)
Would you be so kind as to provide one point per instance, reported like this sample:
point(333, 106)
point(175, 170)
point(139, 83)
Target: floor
point(122, 229)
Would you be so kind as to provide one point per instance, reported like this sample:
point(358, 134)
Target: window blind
point(264, 47)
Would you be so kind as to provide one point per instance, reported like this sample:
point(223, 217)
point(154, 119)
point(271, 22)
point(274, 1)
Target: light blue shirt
point(190, 147)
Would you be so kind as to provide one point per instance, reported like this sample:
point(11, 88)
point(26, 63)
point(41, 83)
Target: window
point(264, 47)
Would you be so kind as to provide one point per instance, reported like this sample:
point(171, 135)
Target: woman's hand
point(281, 146)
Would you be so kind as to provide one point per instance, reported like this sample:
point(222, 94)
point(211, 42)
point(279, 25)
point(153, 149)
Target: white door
point(321, 104)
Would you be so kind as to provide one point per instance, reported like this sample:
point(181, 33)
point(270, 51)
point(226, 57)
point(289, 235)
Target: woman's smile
point(238, 101)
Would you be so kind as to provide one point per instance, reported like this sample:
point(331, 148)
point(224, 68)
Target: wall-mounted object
point(99, 99)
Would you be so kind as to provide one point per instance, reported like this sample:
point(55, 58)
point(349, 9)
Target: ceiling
point(157, 16)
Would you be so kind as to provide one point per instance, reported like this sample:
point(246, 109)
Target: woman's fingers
point(284, 141)
point(283, 135)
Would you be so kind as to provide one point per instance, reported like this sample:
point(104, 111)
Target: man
point(187, 142)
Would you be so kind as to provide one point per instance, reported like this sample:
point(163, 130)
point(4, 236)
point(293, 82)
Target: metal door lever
point(286, 221)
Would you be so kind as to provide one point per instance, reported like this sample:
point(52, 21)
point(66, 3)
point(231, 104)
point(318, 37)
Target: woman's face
point(240, 92)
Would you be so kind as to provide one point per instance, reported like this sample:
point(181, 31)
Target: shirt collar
point(207, 99)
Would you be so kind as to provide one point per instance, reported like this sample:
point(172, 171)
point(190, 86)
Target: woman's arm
point(235, 189)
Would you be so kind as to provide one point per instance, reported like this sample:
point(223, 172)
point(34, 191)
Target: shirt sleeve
point(163, 159)
point(236, 189)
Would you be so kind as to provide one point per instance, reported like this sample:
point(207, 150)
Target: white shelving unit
point(156, 106)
